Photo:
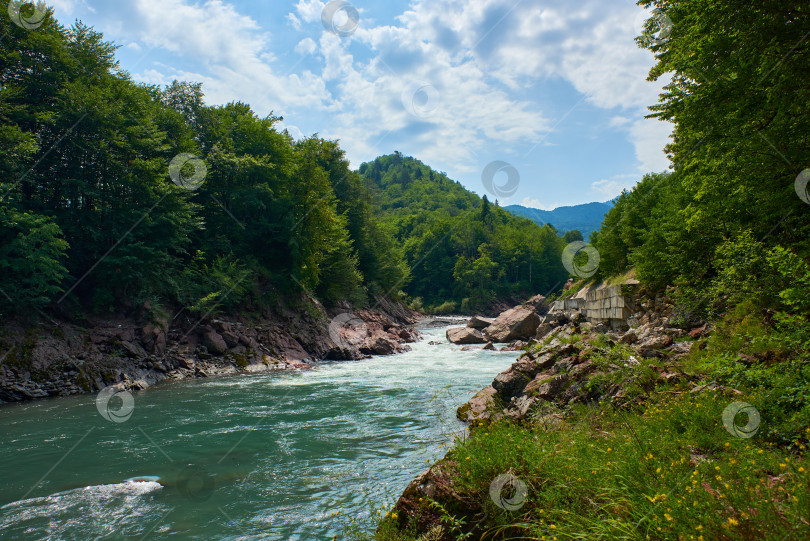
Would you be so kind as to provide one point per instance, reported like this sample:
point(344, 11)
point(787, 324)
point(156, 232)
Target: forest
point(729, 225)
point(117, 195)
point(468, 250)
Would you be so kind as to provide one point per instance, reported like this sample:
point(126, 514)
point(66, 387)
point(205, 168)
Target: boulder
point(510, 383)
point(520, 407)
point(479, 322)
point(214, 343)
point(478, 407)
point(629, 338)
point(489, 347)
point(380, 346)
point(515, 345)
point(546, 386)
point(465, 335)
point(538, 303)
point(656, 342)
point(543, 330)
point(697, 333)
point(518, 323)
point(231, 338)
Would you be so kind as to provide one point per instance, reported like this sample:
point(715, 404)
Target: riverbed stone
point(465, 335)
point(518, 323)
point(480, 322)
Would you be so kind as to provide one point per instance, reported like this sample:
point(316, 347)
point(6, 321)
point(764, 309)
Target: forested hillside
point(463, 250)
point(730, 224)
point(116, 193)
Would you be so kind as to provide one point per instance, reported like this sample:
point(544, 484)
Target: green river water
point(283, 455)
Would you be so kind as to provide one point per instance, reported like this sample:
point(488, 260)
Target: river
point(281, 455)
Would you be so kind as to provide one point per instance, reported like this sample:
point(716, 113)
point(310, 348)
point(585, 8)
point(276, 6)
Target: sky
point(553, 90)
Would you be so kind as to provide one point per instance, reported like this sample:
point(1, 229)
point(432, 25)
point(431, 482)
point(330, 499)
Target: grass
point(668, 471)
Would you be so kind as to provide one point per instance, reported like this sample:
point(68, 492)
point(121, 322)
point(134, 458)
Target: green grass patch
point(668, 471)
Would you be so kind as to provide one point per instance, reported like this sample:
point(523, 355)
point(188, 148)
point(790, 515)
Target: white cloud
point(620, 121)
point(537, 204)
point(309, 10)
point(473, 56)
point(306, 46)
point(607, 189)
point(649, 137)
point(232, 49)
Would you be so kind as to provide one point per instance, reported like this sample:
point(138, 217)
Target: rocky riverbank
point(60, 358)
point(570, 360)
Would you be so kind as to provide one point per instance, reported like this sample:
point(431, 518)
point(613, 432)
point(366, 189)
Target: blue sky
point(555, 88)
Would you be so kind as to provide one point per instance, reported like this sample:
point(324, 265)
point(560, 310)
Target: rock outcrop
point(560, 371)
point(64, 358)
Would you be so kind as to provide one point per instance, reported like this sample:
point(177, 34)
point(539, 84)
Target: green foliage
point(32, 255)
point(89, 208)
point(460, 247)
point(739, 143)
point(572, 236)
point(215, 287)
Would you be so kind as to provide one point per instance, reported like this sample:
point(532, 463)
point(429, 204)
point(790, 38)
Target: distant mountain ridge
point(585, 218)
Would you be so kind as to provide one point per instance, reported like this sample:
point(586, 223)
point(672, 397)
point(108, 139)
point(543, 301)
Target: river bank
point(639, 430)
point(62, 358)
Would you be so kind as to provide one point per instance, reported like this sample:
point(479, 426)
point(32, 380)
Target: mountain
point(462, 250)
point(586, 218)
